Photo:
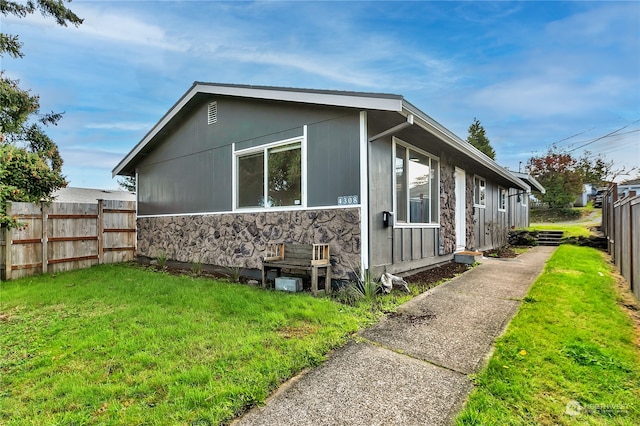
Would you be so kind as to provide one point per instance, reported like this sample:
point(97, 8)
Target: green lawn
point(119, 344)
point(570, 231)
point(568, 357)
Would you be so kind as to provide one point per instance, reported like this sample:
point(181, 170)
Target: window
point(502, 200)
point(417, 184)
point(270, 177)
point(479, 192)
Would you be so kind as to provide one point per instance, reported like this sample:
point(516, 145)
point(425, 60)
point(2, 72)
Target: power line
point(573, 136)
point(602, 137)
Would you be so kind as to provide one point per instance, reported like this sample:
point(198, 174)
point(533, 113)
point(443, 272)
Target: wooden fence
point(65, 236)
point(621, 226)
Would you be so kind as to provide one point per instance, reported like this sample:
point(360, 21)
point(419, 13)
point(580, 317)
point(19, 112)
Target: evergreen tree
point(30, 163)
point(478, 138)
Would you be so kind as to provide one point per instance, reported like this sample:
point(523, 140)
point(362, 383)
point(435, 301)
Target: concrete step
point(550, 238)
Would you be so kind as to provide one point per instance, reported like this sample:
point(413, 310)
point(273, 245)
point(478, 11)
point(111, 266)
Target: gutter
point(435, 128)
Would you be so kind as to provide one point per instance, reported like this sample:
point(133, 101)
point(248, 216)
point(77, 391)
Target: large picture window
point(417, 184)
point(270, 177)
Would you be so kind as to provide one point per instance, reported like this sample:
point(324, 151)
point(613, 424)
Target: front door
point(461, 225)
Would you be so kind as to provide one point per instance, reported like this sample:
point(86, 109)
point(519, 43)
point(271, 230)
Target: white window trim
point(506, 199)
point(408, 146)
point(475, 203)
point(264, 149)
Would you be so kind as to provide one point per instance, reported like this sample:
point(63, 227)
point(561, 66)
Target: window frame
point(483, 202)
point(503, 201)
point(435, 221)
point(264, 150)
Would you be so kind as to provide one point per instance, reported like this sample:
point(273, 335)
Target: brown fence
point(621, 226)
point(65, 236)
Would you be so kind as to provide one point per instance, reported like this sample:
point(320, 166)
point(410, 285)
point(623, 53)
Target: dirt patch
point(431, 277)
point(502, 253)
point(412, 319)
point(298, 331)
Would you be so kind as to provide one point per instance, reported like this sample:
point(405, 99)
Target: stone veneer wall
point(447, 208)
point(470, 220)
point(240, 239)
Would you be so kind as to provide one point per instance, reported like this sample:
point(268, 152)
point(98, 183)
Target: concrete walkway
point(412, 367)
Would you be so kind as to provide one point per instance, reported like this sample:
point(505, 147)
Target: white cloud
point(121, 125)
point(125, 28)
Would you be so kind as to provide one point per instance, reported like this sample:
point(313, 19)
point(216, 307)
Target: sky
point(533, 73)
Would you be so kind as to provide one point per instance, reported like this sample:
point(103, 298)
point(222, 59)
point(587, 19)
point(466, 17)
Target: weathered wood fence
point(65, 236)
point(621, 226)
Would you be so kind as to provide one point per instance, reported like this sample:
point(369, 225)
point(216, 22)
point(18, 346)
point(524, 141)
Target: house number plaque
point(344, 200)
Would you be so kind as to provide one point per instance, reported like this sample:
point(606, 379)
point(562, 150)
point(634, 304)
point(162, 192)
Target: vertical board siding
point(65, 236)
point(621, 225)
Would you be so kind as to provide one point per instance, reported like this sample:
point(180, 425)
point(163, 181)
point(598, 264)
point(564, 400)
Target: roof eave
point(435, 128)
point(530, 179)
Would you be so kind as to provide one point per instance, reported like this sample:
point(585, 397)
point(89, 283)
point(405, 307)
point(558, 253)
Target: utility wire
point(602, 137)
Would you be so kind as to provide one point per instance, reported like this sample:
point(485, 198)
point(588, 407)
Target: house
point(629, 188)
point(90, 195)
point(230, 168)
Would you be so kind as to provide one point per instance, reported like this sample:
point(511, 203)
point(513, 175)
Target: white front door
point(461, 226)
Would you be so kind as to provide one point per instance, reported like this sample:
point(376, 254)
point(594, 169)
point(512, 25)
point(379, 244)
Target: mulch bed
point(430, 277)
point(504, 253)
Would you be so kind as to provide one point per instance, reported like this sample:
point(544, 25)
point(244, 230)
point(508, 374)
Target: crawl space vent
point(212, 113)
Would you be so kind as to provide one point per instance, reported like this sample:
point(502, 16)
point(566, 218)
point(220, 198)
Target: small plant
point(362, 289)
point(233, 272)
point(196, 267)
point(161, 258)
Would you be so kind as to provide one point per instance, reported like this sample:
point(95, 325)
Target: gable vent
point(212, 113)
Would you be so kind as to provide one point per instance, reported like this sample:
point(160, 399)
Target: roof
point(358, 100)
point(530, 180)
point(90, 195)
point(635, 181)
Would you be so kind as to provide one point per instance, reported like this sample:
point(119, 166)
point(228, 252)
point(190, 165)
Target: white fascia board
point(346, 99)
point(450, 138)
point(530, 179)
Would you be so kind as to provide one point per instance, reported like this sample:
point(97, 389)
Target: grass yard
point(568, 357)
point(119, 344)
point(570, 231)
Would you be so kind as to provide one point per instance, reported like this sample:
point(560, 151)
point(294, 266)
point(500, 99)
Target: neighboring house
point(230, 168)
point(588, 193)
point(89, 195)
point(629, 188)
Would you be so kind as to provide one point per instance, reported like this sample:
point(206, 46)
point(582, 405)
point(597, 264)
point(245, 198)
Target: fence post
point(7, 247)
point(100, 231)
point(45, 237)
point(631, 235)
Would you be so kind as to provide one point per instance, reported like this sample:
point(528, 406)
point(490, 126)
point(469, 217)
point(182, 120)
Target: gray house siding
point(190, 168)
point(398, 248)
point(488, 217)
point(518, 208)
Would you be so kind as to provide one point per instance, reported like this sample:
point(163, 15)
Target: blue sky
point(533, 73)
